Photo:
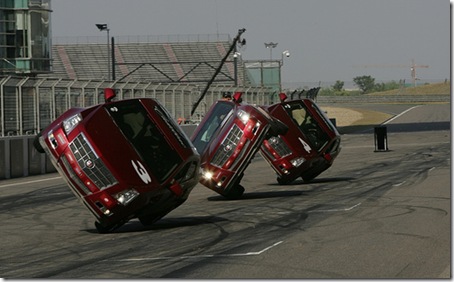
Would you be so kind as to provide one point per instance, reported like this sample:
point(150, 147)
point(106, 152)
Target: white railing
point(27, 105)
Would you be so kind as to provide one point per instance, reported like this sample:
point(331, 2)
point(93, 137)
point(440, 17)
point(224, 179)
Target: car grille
point(91, 164)
point(227, 146)
point(73, 175)
point(279, 146)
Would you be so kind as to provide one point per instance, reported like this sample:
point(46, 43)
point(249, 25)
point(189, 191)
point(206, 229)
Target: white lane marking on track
point(28, 182)
point(401, 114)
point(337, 210)
point(204, 256)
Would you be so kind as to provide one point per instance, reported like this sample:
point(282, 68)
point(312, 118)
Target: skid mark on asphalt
point(399, 184)
point(337, 210)
point(204, 256)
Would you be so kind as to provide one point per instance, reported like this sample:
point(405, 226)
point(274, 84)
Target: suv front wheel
point(235, 193)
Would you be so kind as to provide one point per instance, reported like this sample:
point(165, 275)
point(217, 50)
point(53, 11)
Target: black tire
point(309, 176)
point(282, 181)
point(152, 217)
point(149, 220)
point(308, 179)
point(235, 193)
point(37, 145)
point(104, 229)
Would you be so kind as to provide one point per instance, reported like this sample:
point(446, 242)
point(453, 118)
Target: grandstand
point(168, 62)
point(174, 72)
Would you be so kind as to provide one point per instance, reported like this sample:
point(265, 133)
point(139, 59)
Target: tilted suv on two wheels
point(122, 159)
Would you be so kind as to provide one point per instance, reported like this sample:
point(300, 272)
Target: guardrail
point(27, 104)
point(376, 99)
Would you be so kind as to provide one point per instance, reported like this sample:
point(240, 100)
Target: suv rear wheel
point(36, 143)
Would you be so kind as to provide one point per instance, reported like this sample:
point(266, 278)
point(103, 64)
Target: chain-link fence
point(28, 104)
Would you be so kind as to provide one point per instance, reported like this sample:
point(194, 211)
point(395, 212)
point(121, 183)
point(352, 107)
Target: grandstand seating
point(151, 62)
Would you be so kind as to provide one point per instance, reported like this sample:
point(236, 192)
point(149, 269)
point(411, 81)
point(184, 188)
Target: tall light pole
point(270, 46)
point(286, 53)
point(103, 27)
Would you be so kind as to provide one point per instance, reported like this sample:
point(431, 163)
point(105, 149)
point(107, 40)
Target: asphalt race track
point(371, 215)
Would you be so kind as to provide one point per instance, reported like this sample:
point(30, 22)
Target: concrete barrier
point(18, 158)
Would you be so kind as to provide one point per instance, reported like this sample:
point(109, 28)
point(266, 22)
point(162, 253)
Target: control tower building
point(25, 37)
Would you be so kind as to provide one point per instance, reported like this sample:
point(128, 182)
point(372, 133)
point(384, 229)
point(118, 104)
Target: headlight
point(298, 161)
point(273, 140)
point(126, 196)
point(70, 123)
point(207, 175)
point(244, 117)
point(52, 140)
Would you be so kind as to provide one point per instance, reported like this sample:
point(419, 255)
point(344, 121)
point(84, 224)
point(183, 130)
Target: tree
point(366, 83)
point(338, 86)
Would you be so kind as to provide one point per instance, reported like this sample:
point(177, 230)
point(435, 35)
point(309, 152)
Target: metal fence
point(28, 104)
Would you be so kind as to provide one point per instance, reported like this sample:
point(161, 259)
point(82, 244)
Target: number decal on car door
point(305, 145)
point(141, 171)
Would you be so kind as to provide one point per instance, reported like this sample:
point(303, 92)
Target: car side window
point(211, 124)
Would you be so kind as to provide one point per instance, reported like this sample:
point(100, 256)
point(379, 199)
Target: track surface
point(371, 215)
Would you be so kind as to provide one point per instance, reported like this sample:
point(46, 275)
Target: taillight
point(176, 189)
point(328, 157)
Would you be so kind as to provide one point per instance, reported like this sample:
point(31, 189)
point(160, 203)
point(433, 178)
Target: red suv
point(227, 138)
point(122, 159)
point(310, 145)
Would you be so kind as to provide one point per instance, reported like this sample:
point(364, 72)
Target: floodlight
point(101, 27)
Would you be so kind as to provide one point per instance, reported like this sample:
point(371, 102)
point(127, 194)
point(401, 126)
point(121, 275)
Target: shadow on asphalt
point(280, 192)
point(163, 224)
point(261, 195)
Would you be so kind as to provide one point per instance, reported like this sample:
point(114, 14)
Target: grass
point(371, 117)
point(428, 89)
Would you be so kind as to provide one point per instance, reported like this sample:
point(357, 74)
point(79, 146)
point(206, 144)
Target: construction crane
point(413, 68)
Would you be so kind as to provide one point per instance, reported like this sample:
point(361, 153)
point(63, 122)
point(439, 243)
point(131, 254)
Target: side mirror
point(282, 97)
point(237, 97)
point(109, 94)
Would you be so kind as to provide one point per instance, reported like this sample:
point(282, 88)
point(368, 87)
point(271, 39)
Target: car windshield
point(220, 111)
point(308, 125)
point(148, 141)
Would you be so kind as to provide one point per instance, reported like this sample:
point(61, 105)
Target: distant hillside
point(428, 89)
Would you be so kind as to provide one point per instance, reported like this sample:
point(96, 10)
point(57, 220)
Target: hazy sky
point(328, 39)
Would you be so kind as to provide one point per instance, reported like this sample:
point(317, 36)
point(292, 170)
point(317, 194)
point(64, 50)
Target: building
point(25, 37)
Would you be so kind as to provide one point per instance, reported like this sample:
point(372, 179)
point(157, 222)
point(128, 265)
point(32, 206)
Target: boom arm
point(235, 40)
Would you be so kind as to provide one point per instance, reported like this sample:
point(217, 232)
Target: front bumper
point(222, 176)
